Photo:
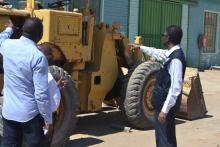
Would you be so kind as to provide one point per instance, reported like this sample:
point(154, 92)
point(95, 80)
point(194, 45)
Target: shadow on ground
point(206, 116)
point(84, 142)
point(94, 126)
point(91, 127)
point(100, 124)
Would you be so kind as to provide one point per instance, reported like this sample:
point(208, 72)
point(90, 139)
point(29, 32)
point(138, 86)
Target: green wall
point(154, 17)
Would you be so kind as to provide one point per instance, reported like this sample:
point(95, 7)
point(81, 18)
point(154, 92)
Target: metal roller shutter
point(154, 17)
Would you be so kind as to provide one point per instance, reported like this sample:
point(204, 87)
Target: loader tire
point(125, 80)
point(137, 103)
point(69, 108)
point(66, 115)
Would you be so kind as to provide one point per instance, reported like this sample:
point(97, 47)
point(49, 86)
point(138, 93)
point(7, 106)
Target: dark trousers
point(32, 131)
point(48, 139)
point(165, 133)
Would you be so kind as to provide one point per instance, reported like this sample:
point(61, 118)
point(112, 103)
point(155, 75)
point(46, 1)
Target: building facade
point(204, 19)
point(109, 11)
point(149, 18)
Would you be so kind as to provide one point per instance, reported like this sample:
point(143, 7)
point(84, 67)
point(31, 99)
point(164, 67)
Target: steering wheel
point(58, 4)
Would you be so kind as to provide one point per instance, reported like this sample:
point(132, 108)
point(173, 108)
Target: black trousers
point(31, 131)
point(165, 133)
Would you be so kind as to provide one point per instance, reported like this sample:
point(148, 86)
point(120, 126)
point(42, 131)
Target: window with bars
point(210, 30)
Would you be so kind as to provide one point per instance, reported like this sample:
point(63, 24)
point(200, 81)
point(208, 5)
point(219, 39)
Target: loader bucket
point(193, 103)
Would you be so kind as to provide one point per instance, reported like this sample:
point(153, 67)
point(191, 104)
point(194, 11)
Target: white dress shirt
point(54, 93)
point(175, 69)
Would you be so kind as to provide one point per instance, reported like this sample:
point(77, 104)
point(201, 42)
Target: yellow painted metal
point(137, 53)
point(30, 6)
point(65, 30)
point(107, 74)
point(128, 54)
point(138, 40)
point(13, 12)
point(84, 89)
point(193, 103)
point(90, 51)
point(3, 22)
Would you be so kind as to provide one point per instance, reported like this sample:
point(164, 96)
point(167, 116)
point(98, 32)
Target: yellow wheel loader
point(96, 60)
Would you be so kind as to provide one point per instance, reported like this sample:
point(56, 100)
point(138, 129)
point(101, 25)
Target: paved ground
point(94, 130)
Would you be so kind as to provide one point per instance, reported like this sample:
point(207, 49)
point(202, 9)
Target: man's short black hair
point(175, 34)
point(33, 27)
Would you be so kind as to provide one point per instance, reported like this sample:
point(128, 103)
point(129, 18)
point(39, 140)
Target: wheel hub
point(147, 97)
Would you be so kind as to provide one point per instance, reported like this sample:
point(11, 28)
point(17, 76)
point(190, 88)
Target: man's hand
point(162, 117)
point(50, 128)
point(62, 83)
point(10, 24)
point(133, 46)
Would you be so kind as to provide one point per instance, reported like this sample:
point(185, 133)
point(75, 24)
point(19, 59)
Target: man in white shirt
point(54, 93)
point(168, 86)
point(53, 87)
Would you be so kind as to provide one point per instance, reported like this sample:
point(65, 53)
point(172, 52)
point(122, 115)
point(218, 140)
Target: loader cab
point(41, 4)
point(23, 4)
point(58, 5)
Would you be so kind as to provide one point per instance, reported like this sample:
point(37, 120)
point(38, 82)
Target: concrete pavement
point(94, 130)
